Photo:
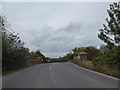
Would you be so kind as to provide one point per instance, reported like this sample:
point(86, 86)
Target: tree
point(103, 49)
point(67, 57)
point(92, 52)
point(14, 54)
point(76, 50)
point(39, 54)
point(110, 34)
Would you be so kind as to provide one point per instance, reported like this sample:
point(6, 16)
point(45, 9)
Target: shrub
point(110, 58)
point(86, 64)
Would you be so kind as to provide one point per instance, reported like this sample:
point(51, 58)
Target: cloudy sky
point(56, 28)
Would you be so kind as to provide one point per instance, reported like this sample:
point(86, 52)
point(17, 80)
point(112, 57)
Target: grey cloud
point(72, 27)
point(60, 40)
point(56, 28)
point(56, 40)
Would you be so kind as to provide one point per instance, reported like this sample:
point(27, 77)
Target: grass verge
point(101, 69)
point(15, 70)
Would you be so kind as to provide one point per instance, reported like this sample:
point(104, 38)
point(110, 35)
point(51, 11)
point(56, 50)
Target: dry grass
point(102, 69)
point(107, 71)
point(87, 64)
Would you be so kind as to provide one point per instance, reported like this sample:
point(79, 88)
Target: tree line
point(106, 55)
point(14, 53)
point(110, 34)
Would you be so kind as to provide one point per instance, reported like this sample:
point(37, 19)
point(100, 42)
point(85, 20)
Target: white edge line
point(96, 72)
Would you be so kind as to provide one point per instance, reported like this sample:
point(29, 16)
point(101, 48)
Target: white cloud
point(56, 28)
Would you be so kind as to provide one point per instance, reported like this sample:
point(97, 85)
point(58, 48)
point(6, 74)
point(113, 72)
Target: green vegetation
point(98, 68)
point(16, 69)
point(91, 51)
point(106, 59)
point(110, 58)
point(110, 34)
point(14, 54)
point(68, 57)
point(78, 50)
point(13, 51)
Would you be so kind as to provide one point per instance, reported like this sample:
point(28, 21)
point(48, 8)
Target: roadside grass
point(99, 68)
point(107, 71)
point(87, 64)
point(15, 70)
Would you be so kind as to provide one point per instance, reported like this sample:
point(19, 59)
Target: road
point(57, 75)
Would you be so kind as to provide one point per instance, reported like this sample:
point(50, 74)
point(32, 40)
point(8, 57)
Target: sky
point(55, 28)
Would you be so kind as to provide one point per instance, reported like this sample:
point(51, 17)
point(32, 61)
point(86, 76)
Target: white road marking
point(50, 68)
point(51, 74)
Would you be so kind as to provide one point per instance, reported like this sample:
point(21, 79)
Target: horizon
point(55, 28)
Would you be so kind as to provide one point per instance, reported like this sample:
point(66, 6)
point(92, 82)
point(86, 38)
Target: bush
point(13, 51)
point(110, 58)
point(98, 68)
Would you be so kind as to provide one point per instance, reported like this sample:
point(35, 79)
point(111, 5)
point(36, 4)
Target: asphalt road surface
point(57, 75)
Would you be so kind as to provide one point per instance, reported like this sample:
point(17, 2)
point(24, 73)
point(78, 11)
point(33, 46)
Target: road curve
point(57, 75)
